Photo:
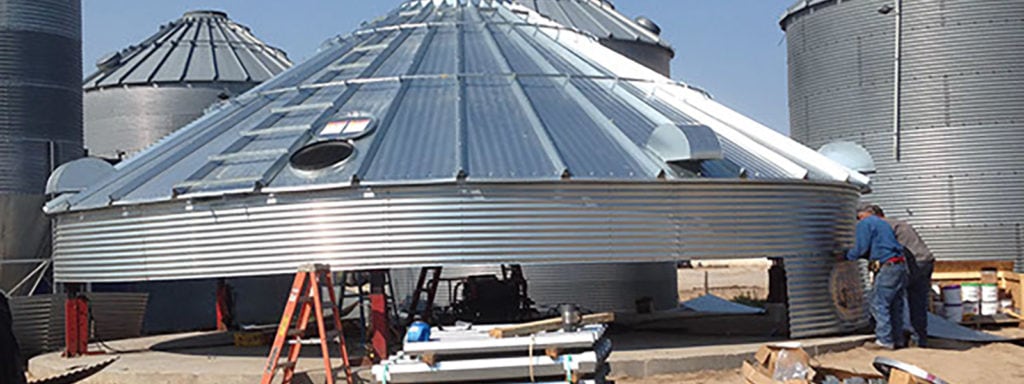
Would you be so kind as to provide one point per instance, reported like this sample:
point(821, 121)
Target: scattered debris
point(902, 373)
point(788, 363)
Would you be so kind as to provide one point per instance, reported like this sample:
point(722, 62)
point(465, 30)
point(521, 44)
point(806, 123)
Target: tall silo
point(40, 121)
point(638, 39)
point(951, 162)
point(148, 90)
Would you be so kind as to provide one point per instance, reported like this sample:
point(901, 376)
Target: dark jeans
point(918, 290)
point(887, 302)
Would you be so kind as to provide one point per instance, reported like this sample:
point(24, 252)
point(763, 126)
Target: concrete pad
point(705, 355)
point(209, 358)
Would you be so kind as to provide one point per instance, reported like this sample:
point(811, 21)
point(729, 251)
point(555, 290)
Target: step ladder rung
point(301, 107)
point(276, 130)
point(286, 365)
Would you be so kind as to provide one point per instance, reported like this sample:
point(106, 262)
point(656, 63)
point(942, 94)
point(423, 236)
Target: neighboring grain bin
point(146, 91)
point(638, 39)
point(40, 124)
point(952, 165)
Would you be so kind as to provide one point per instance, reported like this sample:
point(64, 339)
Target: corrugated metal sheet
point(616, 31)
point(962, 122)
point(457, 224)
point(148, 90)
point(39, 320)
point(40, 119)
point(38, 323)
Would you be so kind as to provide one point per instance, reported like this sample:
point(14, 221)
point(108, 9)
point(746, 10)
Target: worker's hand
point(840, 257)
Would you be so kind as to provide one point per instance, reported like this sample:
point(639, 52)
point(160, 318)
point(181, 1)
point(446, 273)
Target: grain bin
point(40, 121)
point(144, 92)
point(952, 165)
point(463, 134)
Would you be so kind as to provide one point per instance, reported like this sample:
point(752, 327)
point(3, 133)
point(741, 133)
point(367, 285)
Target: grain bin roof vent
point(649, 25)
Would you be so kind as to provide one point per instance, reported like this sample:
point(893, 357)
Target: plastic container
point(1006, 303)
point(989, 308)
point(971, 309)
point(954, 313)
point(952, 295)
point(989, 293)
point(971, 292)
point(939, 308)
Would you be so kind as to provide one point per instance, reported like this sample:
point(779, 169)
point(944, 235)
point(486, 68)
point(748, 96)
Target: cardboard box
point(762, 369)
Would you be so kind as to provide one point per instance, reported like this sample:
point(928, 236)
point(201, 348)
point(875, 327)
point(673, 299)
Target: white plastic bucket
point(989, 293)
point(971, 308)
point(989, 308)
point(954, 313)
point(952, 295)
point(971, 292)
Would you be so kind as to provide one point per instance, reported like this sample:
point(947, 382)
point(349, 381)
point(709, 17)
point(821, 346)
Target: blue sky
point(732, 48)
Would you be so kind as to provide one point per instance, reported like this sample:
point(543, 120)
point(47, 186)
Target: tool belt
point(874, 266)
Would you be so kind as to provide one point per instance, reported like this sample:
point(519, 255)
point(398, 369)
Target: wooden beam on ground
point(547, 325)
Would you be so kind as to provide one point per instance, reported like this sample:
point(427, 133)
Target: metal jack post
point(76, 322)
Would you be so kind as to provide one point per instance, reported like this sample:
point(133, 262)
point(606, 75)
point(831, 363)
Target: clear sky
point(731, 48)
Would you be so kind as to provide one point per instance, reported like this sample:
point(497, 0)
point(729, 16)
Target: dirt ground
point(958, 363)
point(728, 283)
point(989, 364)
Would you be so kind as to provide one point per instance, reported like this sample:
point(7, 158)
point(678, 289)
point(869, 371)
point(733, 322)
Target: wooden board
point(972, 266)
point(547, 325)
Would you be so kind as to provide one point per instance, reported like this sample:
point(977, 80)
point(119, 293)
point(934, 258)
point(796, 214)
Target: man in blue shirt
point(876, 241)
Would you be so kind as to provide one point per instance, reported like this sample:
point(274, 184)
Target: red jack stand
point(76, 322)
point(225, 306)
point(379, 316)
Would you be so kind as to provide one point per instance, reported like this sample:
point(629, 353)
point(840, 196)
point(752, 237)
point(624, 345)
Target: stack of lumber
point(501, 354)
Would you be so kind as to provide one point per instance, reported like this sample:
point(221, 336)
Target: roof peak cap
point(205, 14)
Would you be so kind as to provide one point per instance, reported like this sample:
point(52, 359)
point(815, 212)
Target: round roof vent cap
point(108, 61)
point(649, 25)
point(205, 14)
point(850, 155)
point(321, 155)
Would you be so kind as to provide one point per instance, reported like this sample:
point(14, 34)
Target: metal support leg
point(225, 306)
point(76, 322)
point(379, 315)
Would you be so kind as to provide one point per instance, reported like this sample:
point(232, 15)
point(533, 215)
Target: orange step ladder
point(307, 296)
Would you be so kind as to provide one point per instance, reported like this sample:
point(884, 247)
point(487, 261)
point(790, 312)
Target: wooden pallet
point(970, 271)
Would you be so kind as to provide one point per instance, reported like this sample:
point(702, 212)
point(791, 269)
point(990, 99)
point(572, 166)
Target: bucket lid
point(988, 285)
point(954, 286)
point(972, 284)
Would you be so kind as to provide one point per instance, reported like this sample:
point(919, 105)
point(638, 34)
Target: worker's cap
point(866, 206)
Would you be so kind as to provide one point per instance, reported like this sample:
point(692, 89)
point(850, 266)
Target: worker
point(876, 241)
point(11, 370)
point(921, 264)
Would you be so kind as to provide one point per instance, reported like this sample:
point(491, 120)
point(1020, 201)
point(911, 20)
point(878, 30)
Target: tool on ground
point(76, 375)
point(548, 325)
point(307, 296)
point(899, 372)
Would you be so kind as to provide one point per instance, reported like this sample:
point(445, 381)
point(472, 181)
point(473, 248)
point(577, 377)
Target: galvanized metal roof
point(596, 17)
point(456, 92)
point(201, 46)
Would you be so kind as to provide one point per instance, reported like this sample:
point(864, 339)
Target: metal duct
point(962, 112)
point(40, 120)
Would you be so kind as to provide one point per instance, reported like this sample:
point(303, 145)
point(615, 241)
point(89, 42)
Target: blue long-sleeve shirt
point(875, 241)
